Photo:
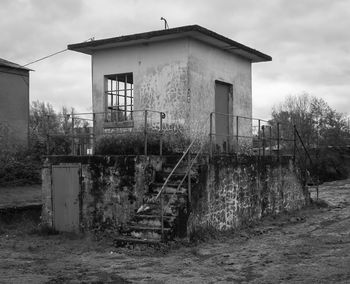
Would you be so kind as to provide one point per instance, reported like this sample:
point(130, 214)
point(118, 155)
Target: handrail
point(239, 116)
point(185, 176)
point(311, 161)
point(90, 117)
point(179, 162)
point(302, 143)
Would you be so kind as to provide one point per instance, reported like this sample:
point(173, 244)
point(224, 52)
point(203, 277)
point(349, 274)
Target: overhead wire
point(53, 54)
point(45, 57)
point(42, 58)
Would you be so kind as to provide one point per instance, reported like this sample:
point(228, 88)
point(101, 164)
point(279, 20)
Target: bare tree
point(316, 121)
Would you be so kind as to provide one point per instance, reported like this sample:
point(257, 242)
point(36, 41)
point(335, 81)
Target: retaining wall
point(235, 192)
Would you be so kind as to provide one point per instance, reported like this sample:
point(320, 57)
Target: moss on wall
point(112, 188)
point(236, 191)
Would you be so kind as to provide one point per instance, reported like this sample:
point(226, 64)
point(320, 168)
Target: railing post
point(263, 139)
point(47, 144)
point(93, 133)
point(237, 139)
point(161, 134)
point(278, 141)
point(211, 135)
point(270, 138)
point(72, 134)
point(317, 163)
point(162, 216)
point(145, 132)
point(189, 176)
point(294, 142)
point(259, 136)
point(47, 135)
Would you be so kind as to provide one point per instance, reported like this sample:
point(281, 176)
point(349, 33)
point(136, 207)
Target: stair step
point(168, 194)
point(153, 221)
point(169, 186)
point(165, 173)
point(145, 216)
point(123, 240)
point(162, 176)
point(146, 228)
point(179, 171)
point(146, 232)
point(155, 210)
point(173, 159)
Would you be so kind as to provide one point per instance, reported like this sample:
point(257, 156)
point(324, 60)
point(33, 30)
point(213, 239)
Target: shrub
point(133, 143)
point(19, 167)
point(332, 164)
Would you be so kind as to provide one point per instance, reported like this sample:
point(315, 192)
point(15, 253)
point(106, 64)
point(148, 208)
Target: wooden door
point(65, 192)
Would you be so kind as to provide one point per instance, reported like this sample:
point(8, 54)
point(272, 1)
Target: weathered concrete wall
point(176, 77)
point(111, 189)
point(159, 73)
point(229, 193)
point(14, 105)
point(233, 193)
point(208, 64)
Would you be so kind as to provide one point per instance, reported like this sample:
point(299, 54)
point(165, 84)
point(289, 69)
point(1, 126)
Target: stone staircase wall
point(226, 193)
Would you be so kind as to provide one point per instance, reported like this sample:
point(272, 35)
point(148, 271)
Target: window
point(119, 95)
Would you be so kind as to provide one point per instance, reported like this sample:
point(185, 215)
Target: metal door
point(222, 115)
point(65, 192)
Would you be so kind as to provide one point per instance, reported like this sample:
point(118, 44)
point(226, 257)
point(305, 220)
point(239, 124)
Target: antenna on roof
point(166, 26)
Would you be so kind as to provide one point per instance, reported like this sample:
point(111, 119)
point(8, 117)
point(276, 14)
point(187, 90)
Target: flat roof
point(192, 31)
point(6, 63)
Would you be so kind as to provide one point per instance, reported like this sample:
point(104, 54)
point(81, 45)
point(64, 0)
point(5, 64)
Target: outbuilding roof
point(192, 31)
point(6, 63)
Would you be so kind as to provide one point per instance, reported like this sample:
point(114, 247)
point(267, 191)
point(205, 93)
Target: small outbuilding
point(186, 73)
point(195, 81)
point(14, 103)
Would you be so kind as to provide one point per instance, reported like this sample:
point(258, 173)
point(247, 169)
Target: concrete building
point(14, 103)
point(202, 82)
point(186, 72)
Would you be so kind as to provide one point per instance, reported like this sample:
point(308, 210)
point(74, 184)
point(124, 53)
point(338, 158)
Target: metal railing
point(187, 175)
point(268, 139)
point(257, 136)
point(80, 130)
point(232, 134)
point(303, 163)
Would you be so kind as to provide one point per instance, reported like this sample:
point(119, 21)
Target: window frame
point(119, 97)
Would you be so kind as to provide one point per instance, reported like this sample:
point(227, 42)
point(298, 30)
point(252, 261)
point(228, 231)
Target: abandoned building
point(193, 80)
point(14, 103)
point(185, 73)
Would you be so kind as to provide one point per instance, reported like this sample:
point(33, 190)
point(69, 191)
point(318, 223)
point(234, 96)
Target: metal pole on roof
point(166, 26)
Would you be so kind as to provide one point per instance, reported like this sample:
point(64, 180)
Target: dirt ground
point(309, 246)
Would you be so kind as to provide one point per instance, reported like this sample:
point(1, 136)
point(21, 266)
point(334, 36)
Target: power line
point(53, 54)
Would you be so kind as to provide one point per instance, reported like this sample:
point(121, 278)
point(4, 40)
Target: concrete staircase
point(151, 227)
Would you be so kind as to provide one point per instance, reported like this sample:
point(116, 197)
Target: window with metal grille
point(119, 96)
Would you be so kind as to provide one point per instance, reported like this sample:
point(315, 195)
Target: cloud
point(308, 40)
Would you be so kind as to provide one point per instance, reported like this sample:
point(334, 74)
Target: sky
point(309, 41)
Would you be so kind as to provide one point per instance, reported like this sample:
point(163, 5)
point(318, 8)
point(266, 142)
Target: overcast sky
point(309, 41)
